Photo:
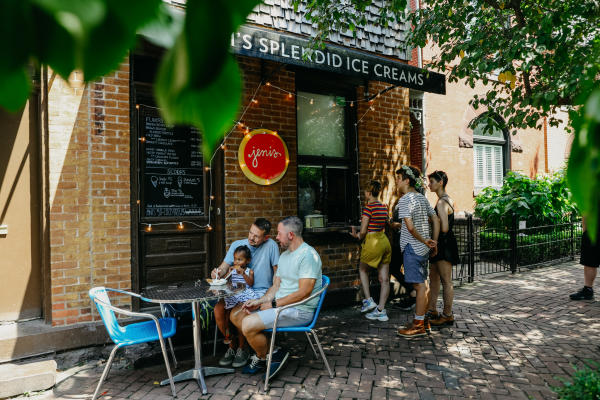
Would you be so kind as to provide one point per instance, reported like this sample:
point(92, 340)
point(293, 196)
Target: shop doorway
point(177, 200)
point(20, 212)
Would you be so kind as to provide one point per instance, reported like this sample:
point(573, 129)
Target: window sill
point(328, 235)
point(328, 229)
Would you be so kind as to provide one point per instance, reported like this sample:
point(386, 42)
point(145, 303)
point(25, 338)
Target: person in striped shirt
point(376, 252)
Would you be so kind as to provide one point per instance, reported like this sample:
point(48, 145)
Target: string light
point(246, 129)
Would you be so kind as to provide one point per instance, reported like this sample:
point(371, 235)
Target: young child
point(240, 273)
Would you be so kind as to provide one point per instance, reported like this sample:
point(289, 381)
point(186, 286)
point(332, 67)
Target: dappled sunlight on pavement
point(514, 337)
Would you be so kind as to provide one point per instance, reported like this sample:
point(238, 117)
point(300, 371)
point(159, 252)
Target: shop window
point(326, 158)
point(490, 154)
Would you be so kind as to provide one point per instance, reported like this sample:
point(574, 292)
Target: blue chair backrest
point(325, 282)
point(115, 330)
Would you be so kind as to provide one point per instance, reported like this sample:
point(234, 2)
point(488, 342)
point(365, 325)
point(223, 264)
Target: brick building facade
point(93, 228)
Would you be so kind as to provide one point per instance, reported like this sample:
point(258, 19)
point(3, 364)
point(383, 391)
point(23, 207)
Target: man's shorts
point(590, 253)
point(415, 266)
point(288, 317)
point(376, 249)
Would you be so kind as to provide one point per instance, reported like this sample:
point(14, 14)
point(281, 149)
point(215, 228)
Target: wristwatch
point(274, 303)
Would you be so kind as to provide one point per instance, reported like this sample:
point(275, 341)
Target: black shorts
point(590, 253)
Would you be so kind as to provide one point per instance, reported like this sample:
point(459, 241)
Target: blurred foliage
point(544, 200)
point(198, 82)
point(585, 384)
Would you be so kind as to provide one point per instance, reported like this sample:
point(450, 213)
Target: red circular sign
point(263, 156)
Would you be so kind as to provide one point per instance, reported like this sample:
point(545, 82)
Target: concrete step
point(18, 378)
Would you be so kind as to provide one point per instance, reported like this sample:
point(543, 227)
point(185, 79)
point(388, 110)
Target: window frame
point(490, 141)
point(331, 85)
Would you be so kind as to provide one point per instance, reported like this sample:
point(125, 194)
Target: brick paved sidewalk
point(514, 336)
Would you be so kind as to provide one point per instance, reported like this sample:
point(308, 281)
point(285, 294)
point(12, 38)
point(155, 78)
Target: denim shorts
point(415, 266)
point(288, 317)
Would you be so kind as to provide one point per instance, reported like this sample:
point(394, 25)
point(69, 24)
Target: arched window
point(491, 155)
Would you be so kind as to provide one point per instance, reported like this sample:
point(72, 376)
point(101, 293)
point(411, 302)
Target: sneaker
point(407, 303)
point(378, 315)
point(277, 360)
point(442, 320)
point(256, 365)
point(241, 358)
point(227, 358)
point(585, 293)
point(368, 305)
point(417, 328)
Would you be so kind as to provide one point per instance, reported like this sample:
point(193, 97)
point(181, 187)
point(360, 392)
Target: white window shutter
point(498, 166)
point(478, 165)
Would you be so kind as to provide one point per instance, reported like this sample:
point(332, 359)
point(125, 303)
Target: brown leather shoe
point(417, 328)
point(443, 320)
point(426, 324)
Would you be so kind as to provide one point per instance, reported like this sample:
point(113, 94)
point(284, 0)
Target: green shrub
point(585, 385)
point(544, 200)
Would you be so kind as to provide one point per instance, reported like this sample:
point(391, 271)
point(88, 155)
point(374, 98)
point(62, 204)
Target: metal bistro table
point(196, 293)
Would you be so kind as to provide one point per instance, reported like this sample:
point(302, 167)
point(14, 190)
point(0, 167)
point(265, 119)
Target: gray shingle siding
point(280, 15)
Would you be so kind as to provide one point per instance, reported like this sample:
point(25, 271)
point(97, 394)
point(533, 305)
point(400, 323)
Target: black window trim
point(334, 85)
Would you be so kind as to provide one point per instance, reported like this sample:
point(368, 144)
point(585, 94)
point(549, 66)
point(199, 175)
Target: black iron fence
point(485, 250)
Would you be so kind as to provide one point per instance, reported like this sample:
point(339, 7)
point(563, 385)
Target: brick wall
point(89, 179)
point(383, 136)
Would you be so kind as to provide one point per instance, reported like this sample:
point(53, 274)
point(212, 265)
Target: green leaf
point(212, 109)
point(14, 89)
point(165, 28)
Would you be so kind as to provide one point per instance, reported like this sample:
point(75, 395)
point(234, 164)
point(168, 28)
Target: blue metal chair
point(139, 332)
point(306, 329)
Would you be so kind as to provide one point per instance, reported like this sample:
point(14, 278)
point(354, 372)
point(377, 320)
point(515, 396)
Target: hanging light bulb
point(137, 106)
point(268, 84)
point(209, 228)
point(312, 101)
point(180, 226)
point(289, 95)
point(207, 169)
point(254, 101)
point(223, 147)
point(143, 139)
point(149, 228)
point(351, 104)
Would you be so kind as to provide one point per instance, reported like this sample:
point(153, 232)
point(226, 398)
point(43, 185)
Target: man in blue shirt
point(265, 257)
point(299, 276)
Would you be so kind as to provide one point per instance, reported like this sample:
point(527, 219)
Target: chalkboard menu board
point(172, 168)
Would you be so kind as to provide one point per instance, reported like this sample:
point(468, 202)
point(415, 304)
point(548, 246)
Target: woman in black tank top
point(447, 254)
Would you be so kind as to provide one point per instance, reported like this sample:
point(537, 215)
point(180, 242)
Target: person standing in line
point(376, 252)
point(408, 303)
point(447, 253)
point(416, 242)
point(590, 259)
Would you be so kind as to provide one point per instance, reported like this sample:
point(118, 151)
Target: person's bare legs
point(384, 280)
point(222, 318)
point(445, 271)
point(364, 270)
point(252, 328)
point(589, 275)
point(421, 305)
point(434, 286)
